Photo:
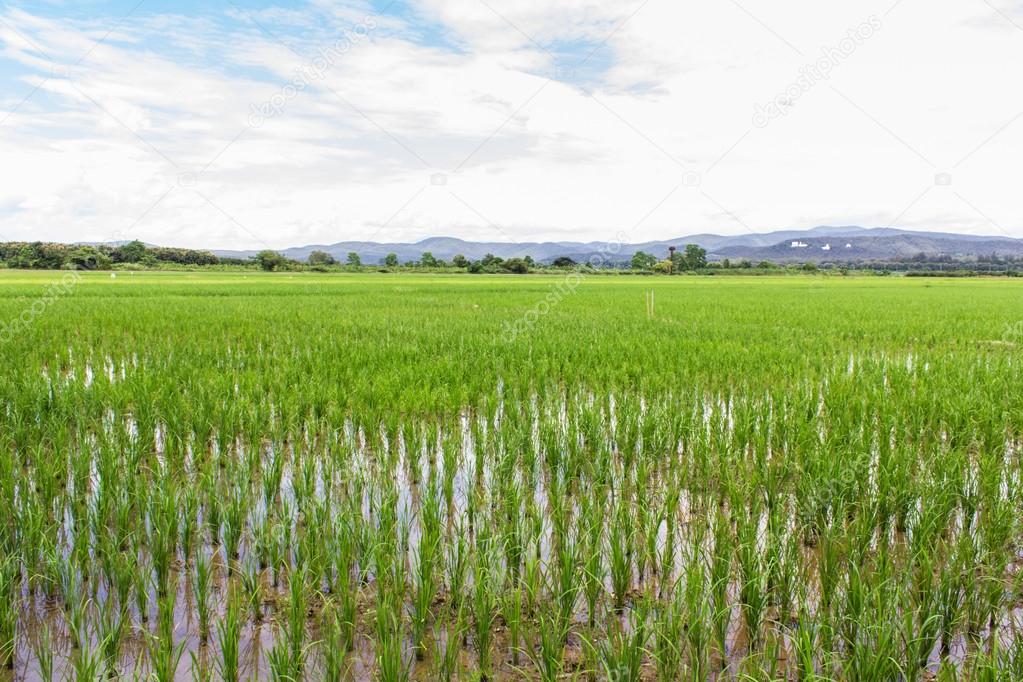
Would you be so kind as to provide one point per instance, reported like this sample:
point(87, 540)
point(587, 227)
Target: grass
point(298, 476)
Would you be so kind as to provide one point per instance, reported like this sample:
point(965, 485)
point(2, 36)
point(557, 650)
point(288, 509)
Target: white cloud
point(110, 147)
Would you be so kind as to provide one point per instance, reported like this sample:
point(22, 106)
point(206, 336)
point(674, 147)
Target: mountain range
point(819, 244)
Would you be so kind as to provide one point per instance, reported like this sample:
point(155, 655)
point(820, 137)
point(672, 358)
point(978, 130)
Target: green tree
point(427, 260)
point(321, 258)
point(24, 258)
point(643, 261)
point(460, 261)
point(132, 252)
point(87, 258)
point(678, 261)
point(269, 260)
point(353, 260)
point(391, 260)
point(696, 257)
point(563, 262)
point(519, 266)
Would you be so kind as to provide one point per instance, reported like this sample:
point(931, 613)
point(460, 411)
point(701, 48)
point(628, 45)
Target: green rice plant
point(484, 605)
point(648, 523)
point(229, 635)
point(78, 619)
point(548, 656)
point(950, 596)
point(921, 623)
point(786, 574)
point(666, 558)
point(457, 565)
point(511, 611)
point(566, 580)
point(753, 576)
point(854, 607)
point(199, 667)
point(202, 586)
point(110, 634)
point(533, 578)
point(829, 567)
point(278, 658)
point(698, 619)
point(448, 644)
point(669, 636)
point(593, 569)
point(621, 654)
point(252, 588)
point(425, 581)
point(804, 645)
point(123, 579)
point(390, 660)
point(719, 577)
point(42, 648)
point(143, 580)
point(164, 654)
point(8, 613)
point(620, 541)
point(87, 666)
point(187, 527)
point(334, 645)
point(293, 630)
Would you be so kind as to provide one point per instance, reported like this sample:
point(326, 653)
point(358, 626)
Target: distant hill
point(825, 243)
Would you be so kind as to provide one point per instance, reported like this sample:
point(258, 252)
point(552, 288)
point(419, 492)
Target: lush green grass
point(793, 475)
point(409, 343)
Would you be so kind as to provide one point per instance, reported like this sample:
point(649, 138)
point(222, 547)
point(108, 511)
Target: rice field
point(216, 476)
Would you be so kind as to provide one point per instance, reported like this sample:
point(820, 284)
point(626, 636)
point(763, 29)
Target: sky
point(267, 124)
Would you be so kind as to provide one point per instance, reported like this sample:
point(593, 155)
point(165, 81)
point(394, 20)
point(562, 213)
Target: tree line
point(56, 256)
point(691, 258)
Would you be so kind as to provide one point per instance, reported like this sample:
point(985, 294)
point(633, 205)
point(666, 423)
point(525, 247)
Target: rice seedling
point(8, 614)
point(620, 541)
point(42, 648)
point(199, 667)
point(669, 630)
point(87, 666)
point(164, 654)
point(427, 557)
point(110, 633)
point(334, 645)
point(229, 633)
point(202, 585)
point(622, 653)
point(483, 605)
point(390, 658)
point(293, 631)
point(448, 645)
